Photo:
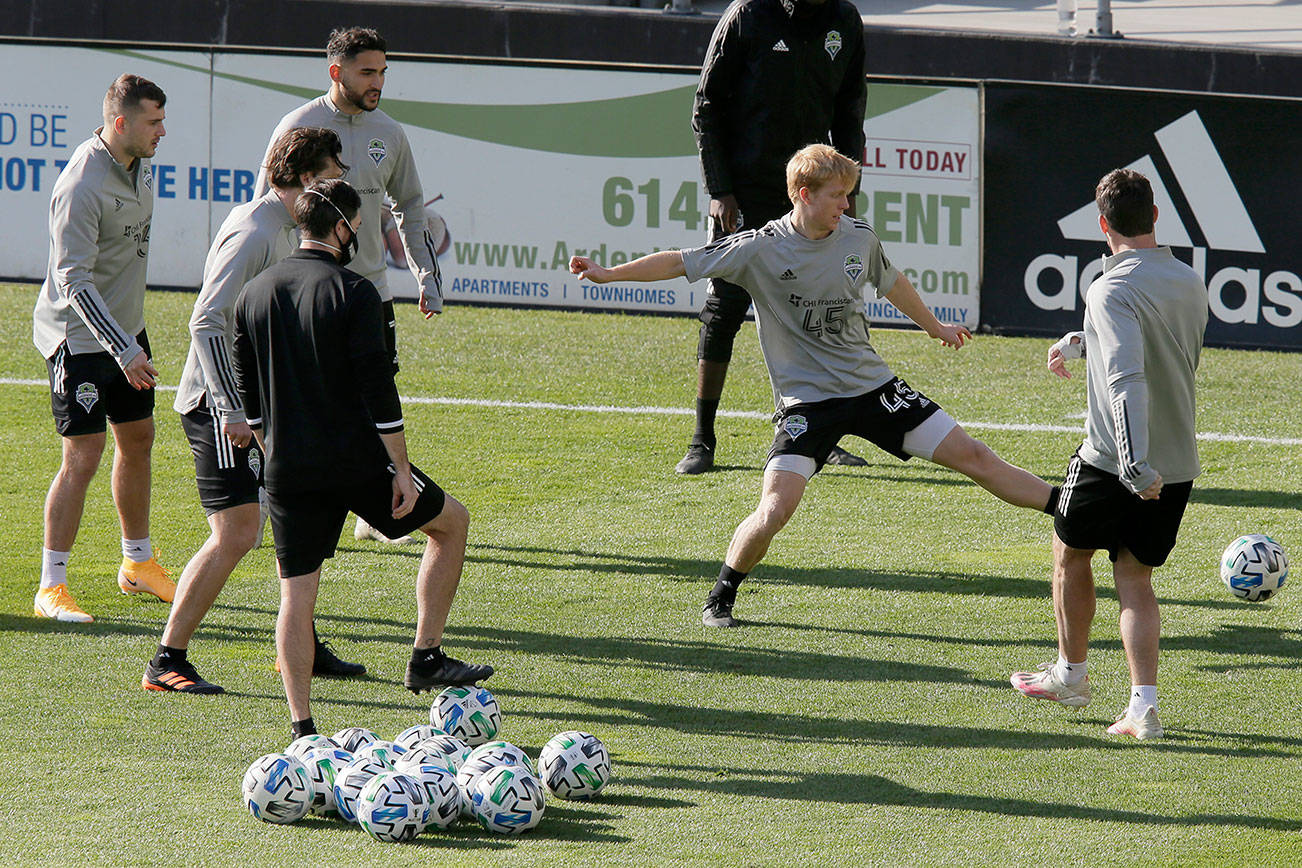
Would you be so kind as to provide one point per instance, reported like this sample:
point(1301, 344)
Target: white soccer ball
point(441, 793)
point(323, 766)
point(507, 800)
point(470, 773)
point(384, 751)
point(354, 738)
point(392, 807)
point(503, 753)
point(574, 765)
point(277, 789)
point(305, 744)
point(1254, 567)
point(424, 755)
point(349, 782)
point(456, 750)
point(413, 734)
point(470, 713)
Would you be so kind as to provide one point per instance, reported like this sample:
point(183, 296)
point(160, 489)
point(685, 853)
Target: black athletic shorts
point(1097, 511)
point(306, 524)
point(89, 389)
point(882, 417)
point(227, 475)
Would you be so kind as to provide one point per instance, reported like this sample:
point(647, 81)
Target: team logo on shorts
point(853, 267)
point(832, 43)
point(87, 395)
point(795, 426)
point(255, 461)
point(377, 151)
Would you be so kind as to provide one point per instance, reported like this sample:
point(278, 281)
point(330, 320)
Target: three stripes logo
point(1237, 293)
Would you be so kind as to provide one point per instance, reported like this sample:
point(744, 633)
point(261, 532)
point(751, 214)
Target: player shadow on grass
point(852, 789)
point(1246, 497)
point(615, 711)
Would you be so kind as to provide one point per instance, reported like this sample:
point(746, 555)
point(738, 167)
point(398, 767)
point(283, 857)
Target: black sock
point(426, 656)
point(169, 655)
point(1052, 506)
point(706, 408)
point(304, 727)
point(725, 588)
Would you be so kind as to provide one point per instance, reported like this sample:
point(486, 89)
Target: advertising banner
point(1224, 182)
point(523, 166)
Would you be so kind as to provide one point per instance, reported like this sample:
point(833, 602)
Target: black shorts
point(306, 524)
point(1097, 511)
point(227, 475)
point(89, 389)
point(883, 417)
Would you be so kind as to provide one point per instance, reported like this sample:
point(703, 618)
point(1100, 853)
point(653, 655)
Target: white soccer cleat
point(1144, 727)
point(1046, 684)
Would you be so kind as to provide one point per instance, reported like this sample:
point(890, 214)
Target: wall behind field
point(543, 131)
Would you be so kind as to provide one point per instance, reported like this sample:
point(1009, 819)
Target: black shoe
point(699, 459)
point(845, 459)
point(177, 678)
point(328, 665)
point(717, 613)
point(445, 671)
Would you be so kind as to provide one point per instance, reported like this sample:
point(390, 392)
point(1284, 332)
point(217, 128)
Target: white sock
point(137, 550)
point(54, 568)
point(1071, 673)
point(1141, 697)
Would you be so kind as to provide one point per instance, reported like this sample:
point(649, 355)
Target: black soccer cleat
point(699, 459)
point(443, 671)
point(845, 459)
point(717, 613)
point(328, 665)
point(177, 678)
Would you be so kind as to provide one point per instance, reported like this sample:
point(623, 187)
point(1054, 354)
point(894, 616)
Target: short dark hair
point(318, 207)
point(347, 44)
point(126, 92)
point(1125, 199)
point(300, 150)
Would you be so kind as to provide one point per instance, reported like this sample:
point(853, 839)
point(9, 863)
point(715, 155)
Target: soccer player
point(311, 365)
point(380, 160)
point(89, 325)
point(227, 463)
point(1128, 483)
point(778, 74)
point(807, 273)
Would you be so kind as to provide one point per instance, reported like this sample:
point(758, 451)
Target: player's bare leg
point(294, 645)
point(1074, 601)
point(134, 443)
point(974, 459)
point(67, 497)
point(234, 534)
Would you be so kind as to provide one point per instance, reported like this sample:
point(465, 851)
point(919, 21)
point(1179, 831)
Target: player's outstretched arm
point(663, 265)
point(906, 298)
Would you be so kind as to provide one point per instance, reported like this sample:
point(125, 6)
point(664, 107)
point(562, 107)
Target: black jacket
point(778, 75)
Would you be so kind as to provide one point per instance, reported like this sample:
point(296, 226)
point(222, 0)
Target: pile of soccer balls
point(429, 776)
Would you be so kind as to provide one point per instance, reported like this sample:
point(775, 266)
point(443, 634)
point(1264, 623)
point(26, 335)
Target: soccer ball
point(305, 744)
point(349, 782)
point(470, 773)
point(323, 766)
point(507, 800)
point(413, 734)
point(354, 738)
point(574, 765)
point(392, 807)
point(1254, 567)
point(424, 755)
point(469, 713)
point(456, 750)
point(384, 751)
point(441, 793)
point(503, 753)
point(277, 788)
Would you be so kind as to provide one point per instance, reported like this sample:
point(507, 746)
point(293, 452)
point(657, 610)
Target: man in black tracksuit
point(314, 370)
point(778, 75)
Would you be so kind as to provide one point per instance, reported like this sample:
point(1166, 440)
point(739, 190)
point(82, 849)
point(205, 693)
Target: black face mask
point(350, 246)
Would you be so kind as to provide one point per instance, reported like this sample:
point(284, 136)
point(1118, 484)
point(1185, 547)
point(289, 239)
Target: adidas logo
point(1242, 292)
point(787, 275)
point(780, 46)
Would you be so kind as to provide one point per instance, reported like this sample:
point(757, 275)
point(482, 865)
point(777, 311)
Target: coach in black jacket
point(313, 367)
point(778, 75)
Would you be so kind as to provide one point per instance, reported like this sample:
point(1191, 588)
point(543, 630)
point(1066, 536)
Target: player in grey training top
point(807, 273)
point(380, 162)
point(228, 465)
point(89, 324)
point(1129, 482)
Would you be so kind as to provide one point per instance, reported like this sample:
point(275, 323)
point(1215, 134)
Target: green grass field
point(861, 716)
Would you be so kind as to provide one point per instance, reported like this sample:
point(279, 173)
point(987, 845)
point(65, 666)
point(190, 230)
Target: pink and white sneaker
point(1046, 684)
